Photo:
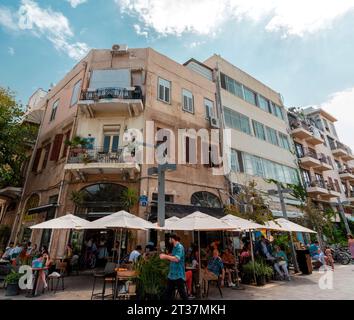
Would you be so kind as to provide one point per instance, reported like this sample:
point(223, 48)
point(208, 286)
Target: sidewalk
point(302, 287)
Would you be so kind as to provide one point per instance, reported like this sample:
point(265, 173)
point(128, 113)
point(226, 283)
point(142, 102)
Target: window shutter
point(56, 147)
point(46, 155)
point(67, 138)
point(36, 160)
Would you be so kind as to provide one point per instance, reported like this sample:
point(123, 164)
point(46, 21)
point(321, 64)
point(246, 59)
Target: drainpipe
point(18, 218)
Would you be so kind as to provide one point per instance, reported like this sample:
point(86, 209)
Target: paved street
point(300, 288)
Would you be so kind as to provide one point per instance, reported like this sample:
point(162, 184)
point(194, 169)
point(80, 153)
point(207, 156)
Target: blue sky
point(302, 49)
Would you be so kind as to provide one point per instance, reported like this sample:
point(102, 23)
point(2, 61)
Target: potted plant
point(248, 271)
point(263, 272)
point(11, 280)
point(77, 143)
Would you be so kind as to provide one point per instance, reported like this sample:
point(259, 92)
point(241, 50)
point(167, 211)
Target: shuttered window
point(187, 101)
point(56, 147)
point(67, 138)
point(46, 155)
point(36, 160)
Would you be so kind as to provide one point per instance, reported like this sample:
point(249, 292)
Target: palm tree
point(129, 198)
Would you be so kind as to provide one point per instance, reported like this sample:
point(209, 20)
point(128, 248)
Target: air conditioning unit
point(214, 122)
point(119, 49)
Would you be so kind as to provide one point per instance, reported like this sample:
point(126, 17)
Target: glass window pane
point(209, 108)
point(115, 143)
point(272, 136)
point(106, 143)
point(250, 96)
point(76, 93)
point(263, 103)
point(259, 131)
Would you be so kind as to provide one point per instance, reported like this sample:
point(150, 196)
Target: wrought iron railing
point(309, 153)
point(99, 155)
point(112, 93)
point(316, 183)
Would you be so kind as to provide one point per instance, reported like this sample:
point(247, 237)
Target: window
point(164, 90)
point(306, 177)
point(205, 199)
point(250, 96)
point(234, 164)
point(209, 108)
point(36, 160)
point(237, 121)
point(56, 147)
point(284, 141)
point(333, 129)
point(278, 111)
point(168, 197)
point(232, 86)
point(110, 143)
point(272, 136)
point(263, 103)
point(299, 150)
point(326, 125)
point(187, 102)
point(46, 156)
point(76, 93)
point(259, 131)
point(54, 110)
point(66, 147)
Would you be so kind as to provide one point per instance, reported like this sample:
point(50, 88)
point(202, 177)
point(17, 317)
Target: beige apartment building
point(326, 163)
point(105, 95)
point(260, 141)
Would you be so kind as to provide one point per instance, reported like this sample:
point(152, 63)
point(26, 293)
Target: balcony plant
point(11, 280)
point(76, 143)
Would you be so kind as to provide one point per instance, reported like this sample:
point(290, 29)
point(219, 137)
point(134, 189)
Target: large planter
point(246, 279)
point(12, 289)
point(261, 281)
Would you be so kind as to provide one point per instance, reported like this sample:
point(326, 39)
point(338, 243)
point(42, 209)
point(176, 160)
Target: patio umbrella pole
point(114, 245)
point(236, 270)
point(120, 246)
point(200, 266)
point(252, 256)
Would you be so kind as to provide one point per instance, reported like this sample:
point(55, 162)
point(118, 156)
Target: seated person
point(135, 254)
point(8, 252)
point(245, 255)
point(189, 281)
point(282, 261)
point(316, 252)
point(227, 257)
point(215, 269)
point(265, 251)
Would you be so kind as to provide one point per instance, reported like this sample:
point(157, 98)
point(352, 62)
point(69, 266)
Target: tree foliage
point(15, 138)
point(250, 205)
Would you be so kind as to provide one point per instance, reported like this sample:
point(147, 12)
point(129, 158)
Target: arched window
point(205, 199)
point(101, 197)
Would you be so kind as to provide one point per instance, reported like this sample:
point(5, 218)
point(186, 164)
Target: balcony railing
point(97, 155)
point(316, 183)
point(296, 124)
point(309, 153)
point(112, 93)
point(325, 159)
point(339, 145)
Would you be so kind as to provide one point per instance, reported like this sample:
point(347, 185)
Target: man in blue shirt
point(316, 253)
point(176, 277)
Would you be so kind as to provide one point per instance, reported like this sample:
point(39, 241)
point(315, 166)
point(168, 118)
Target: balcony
point(317, 188)
point(346, 174)
point(339, 150)
point(300, 130)
point(304, 131)
point(82, 162)
point(332, 191)
point(351, 197)
point(349, 156)
point(325, 163)
point(309, 159)
point(115, 101)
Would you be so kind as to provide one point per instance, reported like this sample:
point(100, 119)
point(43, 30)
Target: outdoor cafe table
point(122, 276)
point(37, 272)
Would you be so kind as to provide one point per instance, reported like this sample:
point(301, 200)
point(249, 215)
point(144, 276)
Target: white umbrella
point(293, 227)
point(121, 220)
point(242, 224)
point(275, 226)
point(68, 221)
point(169, 223)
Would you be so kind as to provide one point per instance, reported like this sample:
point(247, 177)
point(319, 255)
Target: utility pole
point(283, 208)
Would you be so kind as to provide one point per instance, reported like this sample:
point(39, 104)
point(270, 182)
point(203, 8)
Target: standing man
point(176, 276)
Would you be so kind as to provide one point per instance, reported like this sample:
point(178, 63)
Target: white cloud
point(46, 23)
point(139, 31)
point(194, 44)
point(206, 17)
point(341, 106)
point(11, 51)
point(75, 3)
point(7, 19)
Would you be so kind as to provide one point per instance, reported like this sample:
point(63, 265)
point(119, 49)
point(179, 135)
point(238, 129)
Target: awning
point(42, 208)
point(11, 192)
